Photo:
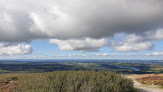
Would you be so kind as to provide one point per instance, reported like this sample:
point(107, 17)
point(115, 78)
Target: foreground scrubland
point(71, 81)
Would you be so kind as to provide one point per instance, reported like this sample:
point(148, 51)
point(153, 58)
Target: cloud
point(157, 53)
point(82, 24)
point(74, 19)
point(14, 49)
point(133, 42)
point(105, 54)
point(146, 36)
point(86, 44)
point(121, 42)
point(156, 35)
point(130, 42)
point(133, 46)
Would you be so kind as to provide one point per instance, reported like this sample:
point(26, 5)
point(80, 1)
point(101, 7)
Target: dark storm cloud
point(64, 20)
point(25, 20)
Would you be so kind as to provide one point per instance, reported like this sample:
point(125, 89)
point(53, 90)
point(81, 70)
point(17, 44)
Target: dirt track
point(145, 88)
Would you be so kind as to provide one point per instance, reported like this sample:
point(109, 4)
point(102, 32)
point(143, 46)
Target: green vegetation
point(73, 81)
point(38, 67)
point(73, 76)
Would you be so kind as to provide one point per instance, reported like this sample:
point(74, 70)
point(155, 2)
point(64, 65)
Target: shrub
point(74, 81)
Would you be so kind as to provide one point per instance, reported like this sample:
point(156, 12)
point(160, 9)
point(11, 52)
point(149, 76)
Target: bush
point(13, 78)
point(74, 81)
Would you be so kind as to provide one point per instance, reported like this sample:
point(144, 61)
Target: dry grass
point(151, 79)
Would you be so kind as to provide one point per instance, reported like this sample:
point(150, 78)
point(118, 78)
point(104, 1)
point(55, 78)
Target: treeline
point(74, 81)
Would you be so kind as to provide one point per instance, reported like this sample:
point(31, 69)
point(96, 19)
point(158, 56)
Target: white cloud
point(133, 46)
point(133, 42)
point(105, 54)
point(147, 54)
point(14, 49)
point(86, 44)
point(133, 38)
point(97, 54)
point(157, 53)
point(158, 35)
point(147, 36)
point(83, 55)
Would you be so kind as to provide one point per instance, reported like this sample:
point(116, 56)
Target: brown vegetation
point(154, 79)
point(7, 85)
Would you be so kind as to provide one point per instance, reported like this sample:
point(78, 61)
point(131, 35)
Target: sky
point(81, 29)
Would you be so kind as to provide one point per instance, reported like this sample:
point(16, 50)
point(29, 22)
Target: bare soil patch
point(7, 85)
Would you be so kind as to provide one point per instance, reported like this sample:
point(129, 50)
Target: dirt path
point(145, 88)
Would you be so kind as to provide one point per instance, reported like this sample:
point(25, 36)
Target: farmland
point(124, 67)
point(73, 76)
